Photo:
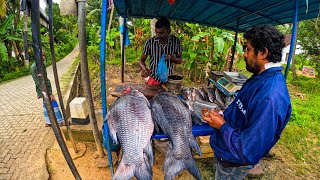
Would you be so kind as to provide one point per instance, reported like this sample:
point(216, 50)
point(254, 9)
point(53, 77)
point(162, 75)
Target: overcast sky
point(43, 4)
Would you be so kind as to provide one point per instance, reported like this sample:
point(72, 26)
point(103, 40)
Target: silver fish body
point(175, 120)
point(130, 121)
point(220, 99)
point(211, 94)
point(203, 93)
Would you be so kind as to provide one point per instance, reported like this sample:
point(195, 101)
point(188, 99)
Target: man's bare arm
point(144, 70)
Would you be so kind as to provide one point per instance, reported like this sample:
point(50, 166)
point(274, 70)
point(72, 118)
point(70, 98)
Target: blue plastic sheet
point(127, 42)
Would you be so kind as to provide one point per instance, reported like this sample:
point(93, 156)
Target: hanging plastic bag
point(56, 110)
point(162, 70)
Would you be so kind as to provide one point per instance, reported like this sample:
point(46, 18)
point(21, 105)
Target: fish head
point(126, 90)
point(185, 93)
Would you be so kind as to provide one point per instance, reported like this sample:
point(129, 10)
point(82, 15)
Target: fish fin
point(112, 127)
point(168, 159)
point(158, 116)
point(149, 152)
point(195, 118)
point(178, 166)
point(156, 126)
point(192, 168)
point(194, 145)
point(124, 172)
point(144, 171)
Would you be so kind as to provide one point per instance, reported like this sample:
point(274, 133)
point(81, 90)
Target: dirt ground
point(281, 165)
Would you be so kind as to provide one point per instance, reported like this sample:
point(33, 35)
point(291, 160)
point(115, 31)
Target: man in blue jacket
point(253, 123)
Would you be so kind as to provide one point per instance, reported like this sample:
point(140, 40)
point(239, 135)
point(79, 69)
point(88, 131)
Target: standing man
point(253, 123)
point(35, 77)
point(162, 43)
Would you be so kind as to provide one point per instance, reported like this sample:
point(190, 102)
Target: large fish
point(130, 121)
point(175, 121)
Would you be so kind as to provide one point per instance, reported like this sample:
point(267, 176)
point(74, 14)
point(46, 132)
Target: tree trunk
point(16, 47)
point(25, 39)
point(294, 72)
point(153, 25)
point(16, 50)
point(110, 20)
point(8, 44)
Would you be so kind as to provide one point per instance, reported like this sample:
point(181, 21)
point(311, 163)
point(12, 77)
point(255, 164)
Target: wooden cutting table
point(149, 91)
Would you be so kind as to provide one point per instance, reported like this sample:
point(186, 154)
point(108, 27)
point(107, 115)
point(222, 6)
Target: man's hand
point(213, 118)
point(145, 72)
point(52, 97)
point(170, 57)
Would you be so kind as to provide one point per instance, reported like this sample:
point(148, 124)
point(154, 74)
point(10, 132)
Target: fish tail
point(149, 152)
point(144, 171)
point(124, 172)
point(168, 160)
point(192, 168)
point(127, 171)
point(179, 165)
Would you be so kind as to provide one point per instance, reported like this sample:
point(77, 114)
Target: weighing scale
point(227, 85)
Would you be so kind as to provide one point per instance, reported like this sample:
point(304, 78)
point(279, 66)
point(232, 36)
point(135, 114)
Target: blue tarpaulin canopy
point(221, 13)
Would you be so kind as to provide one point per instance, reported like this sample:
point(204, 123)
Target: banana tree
point(5, 38)
point(206, 47)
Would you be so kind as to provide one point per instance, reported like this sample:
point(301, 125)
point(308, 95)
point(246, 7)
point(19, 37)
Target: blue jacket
point(254, 120)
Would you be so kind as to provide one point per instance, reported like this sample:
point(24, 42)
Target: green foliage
point(202, 46)
point(13, 68)
point(11, 31)
point(309, 39)
point(302, 134)
point(5, 27)
point(3, 53)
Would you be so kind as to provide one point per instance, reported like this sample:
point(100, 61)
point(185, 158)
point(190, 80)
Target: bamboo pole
point(56, 77)
point(85, 73)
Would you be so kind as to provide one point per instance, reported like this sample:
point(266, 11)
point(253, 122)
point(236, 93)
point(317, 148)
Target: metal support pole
point(35, 25)
point(56, 77)
point(293, 37)
point(104, 16)
point(124, 32)
point(234, 45)
point(85, 73)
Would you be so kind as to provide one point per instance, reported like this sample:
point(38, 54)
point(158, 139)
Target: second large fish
point(175, 121)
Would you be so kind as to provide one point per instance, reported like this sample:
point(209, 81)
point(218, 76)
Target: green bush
point(22, 71)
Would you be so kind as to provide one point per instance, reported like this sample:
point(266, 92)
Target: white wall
point(285, 53)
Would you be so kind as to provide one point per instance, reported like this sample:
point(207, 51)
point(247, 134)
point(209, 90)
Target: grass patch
point(302, 134)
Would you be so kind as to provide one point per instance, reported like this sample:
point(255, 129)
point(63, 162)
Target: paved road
point(23, 136)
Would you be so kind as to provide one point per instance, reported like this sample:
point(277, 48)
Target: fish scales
point(130, 121)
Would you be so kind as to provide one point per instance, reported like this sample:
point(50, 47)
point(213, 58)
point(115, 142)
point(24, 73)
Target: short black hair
point(163, 22)
point(266, 36)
